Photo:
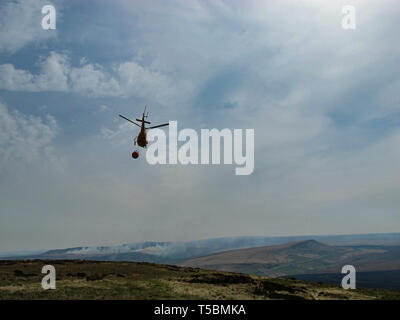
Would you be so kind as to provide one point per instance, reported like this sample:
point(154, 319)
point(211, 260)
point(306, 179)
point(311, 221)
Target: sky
point(323, 101)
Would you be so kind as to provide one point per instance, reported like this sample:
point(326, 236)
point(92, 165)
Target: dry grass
point(130, 280)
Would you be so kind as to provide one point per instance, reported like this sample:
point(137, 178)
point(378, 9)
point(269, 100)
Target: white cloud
point(57, 74)
point(13, 79)
point(53, 76)
point(141, 82)
point(25, 139)
point(20, 24)
point(93, 81)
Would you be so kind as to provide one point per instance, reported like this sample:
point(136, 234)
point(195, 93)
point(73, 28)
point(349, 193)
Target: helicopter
point(141, 138)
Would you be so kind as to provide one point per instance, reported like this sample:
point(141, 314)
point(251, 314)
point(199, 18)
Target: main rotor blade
point(160, 125)
point(129, 120)
point(140, 120)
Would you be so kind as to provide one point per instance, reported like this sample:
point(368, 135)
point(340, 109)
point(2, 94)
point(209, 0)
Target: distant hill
point(300, 257)
point(175, 252)
point(77, 279)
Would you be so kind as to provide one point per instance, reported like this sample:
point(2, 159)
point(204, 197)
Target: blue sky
point(324, 103)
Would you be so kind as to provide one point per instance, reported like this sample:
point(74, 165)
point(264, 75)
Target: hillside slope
point(300, 257)
point(131, 280)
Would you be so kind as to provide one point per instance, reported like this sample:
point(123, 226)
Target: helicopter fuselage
point(142, 137)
